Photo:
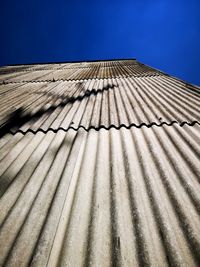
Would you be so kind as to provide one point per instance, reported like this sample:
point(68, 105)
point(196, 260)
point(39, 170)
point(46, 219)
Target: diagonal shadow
point(18, 118)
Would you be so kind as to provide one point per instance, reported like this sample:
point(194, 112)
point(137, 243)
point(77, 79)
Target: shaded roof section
point(128, 100)
point(62, 202)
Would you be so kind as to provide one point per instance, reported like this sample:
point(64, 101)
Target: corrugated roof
point(100, 172)
point(100, 103)
point(136, 202)
point(76, 71)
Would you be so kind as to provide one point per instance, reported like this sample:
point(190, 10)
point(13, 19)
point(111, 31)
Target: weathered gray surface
point(76, 71)
point(100, 103)
point(126, 196)
point(96, 197)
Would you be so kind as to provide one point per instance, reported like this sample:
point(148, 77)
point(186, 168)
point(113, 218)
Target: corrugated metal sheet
point(99, 172)
point(58, 66)
point(77, 71)
point(100, 103)
point(126, 197)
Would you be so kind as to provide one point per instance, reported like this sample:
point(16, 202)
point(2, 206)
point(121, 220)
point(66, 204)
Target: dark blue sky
point(163, 34)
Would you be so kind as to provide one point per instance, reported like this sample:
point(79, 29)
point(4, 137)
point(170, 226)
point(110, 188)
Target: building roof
point(99, 165)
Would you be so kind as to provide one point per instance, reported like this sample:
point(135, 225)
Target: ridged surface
point(100, 103)
point(98, 172)
point(58, 66)
point(121, 197)
point(76, 71)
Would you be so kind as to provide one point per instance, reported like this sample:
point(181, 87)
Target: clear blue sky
point(163, 34)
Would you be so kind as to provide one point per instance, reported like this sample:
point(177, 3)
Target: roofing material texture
point(100, 103)
point(77, 71)
point(84, 195)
